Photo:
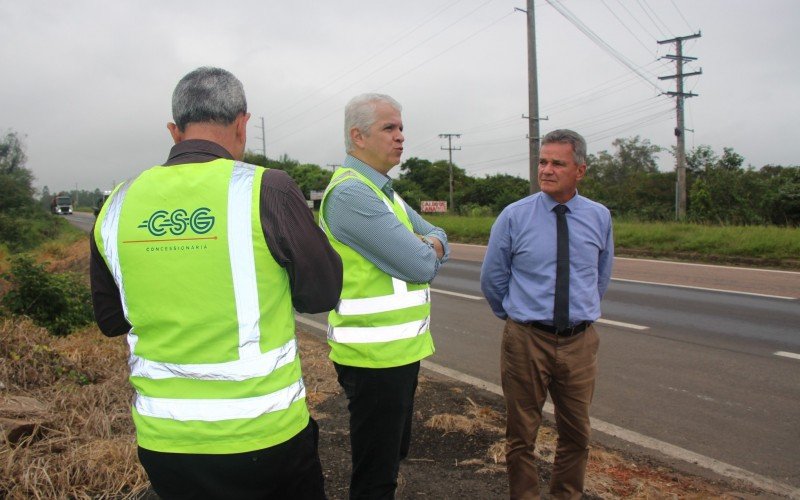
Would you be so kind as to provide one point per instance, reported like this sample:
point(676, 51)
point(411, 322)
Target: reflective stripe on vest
point(109, 231)
point(241, 369)
point(214, 410)
point(370, 334)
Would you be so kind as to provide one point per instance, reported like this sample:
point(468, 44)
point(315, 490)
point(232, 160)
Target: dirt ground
point(458, 442)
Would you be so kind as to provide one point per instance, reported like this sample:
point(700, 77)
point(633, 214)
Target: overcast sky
point(89, 83)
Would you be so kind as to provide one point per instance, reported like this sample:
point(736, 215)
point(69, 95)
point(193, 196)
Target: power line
point(379, 52)
point(647, 120)
point(402, 75)
point(599, 41)
point(657, 16)
point(682, 16)
point(626, 26)
point(650, 17)
point(636, 19)
point(385, 65)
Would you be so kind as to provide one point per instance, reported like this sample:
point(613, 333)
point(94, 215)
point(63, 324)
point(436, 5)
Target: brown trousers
point(533, 362)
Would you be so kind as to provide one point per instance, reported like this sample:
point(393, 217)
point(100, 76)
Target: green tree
point(628, 181)
point(495, 192)
point(434, 178)
point(16, 181)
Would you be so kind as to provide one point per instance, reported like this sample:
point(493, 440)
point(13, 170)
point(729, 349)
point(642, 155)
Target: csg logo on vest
point(178, 221)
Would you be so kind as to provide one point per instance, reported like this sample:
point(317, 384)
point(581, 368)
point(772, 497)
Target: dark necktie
point(561, 305)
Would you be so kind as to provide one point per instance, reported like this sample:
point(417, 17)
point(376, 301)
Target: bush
point(57, 301)
point(25, 231)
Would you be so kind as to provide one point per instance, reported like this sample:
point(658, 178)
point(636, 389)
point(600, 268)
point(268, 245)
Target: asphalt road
point(693, 367)
point(82, 220)
point(706, 358)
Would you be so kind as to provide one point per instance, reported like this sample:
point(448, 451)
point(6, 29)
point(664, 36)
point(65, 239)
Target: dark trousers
point(532, 363)
point(381, 406)
point(289, 470)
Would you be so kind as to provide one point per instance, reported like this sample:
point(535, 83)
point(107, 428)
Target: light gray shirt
point(357, 217)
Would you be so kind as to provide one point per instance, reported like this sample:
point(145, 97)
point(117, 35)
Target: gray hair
point(208, 95)
point(360, 113)
point(574, 139)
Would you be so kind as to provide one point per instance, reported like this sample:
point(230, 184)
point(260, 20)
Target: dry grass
point(82, 445)
point(475, 419)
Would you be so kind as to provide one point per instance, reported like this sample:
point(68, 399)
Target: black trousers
point(381, 405)
point(290, 470)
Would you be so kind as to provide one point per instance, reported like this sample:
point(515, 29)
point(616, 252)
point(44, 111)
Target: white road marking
point(667, 449)
point(311, 323)
point(456, 294)
point(708, 265)
point(621, 324)
point(601, 321)
point(705, 289)
point(787, 354)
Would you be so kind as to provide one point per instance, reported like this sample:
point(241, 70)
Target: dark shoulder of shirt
point(278, 195)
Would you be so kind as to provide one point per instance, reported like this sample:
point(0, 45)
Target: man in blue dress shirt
point(380, 330)
point(549, 294)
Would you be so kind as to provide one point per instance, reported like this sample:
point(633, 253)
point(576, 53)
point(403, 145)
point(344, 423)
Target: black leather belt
point(569, 332)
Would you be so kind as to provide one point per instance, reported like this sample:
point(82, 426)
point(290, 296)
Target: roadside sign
point(316, 195)
point(433, 206)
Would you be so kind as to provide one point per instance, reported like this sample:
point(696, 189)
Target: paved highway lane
point(82, 220)
point(702, 374)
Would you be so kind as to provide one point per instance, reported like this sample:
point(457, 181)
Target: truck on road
point(61, 204)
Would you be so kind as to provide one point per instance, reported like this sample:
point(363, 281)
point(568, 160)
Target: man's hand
point(437, 245)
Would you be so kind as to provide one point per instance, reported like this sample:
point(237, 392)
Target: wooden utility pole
point(450, 149)
point(679, 94)
point(533, 103)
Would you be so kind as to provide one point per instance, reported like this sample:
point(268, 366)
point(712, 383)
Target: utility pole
point(263, 138)
point(450, 149)
point(533, 101)
point(679, 94)
point(333, 166)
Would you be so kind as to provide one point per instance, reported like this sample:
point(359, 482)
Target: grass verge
point(756, 245)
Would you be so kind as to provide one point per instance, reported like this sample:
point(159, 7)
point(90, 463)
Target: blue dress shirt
point(518, 276)
point(359, 219)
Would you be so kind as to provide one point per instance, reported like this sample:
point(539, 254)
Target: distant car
point(100, 201)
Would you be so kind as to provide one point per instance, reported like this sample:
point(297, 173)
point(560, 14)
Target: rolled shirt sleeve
point(359, 219)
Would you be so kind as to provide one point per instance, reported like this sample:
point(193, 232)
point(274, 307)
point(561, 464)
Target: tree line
point(720, 189)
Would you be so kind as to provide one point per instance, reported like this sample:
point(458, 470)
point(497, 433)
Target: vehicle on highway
point(61, 204)
point(100, 201)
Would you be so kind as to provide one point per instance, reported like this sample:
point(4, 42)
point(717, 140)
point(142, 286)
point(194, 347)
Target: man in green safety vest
point(380, 329)
point(200, 262)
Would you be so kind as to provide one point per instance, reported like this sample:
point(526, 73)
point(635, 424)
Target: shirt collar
point(550, 203)
point(196, 151)
point(383, 182)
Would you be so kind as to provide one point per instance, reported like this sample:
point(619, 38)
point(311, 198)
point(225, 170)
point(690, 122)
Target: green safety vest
point(380, 321)
point(213, 353)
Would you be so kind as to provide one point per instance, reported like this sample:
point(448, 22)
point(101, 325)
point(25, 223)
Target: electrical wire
point(599, 41)
point(626, 27)
point(664, 35)
point(658, 18)
point(682, 16)
point(384, 66)
point(379, 52)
